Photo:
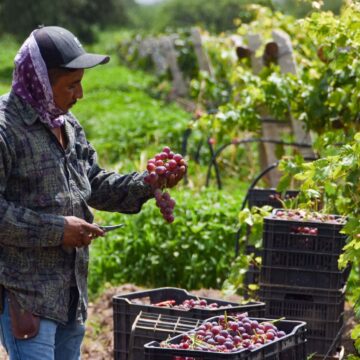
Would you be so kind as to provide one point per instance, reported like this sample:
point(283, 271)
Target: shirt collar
point(26, 112)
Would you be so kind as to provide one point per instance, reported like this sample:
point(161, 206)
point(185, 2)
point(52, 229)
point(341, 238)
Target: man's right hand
point(78, 232)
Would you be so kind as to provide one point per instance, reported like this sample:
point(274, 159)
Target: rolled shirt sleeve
point(115, 192)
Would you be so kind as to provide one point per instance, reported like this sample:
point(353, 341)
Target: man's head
point(65, 60)
point(49, 67)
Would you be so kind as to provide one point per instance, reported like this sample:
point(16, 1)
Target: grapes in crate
point(228, 334)
point(303, 215)
point(189, 304)
point(164, 170)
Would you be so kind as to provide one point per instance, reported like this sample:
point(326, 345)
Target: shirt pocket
point(77, 167)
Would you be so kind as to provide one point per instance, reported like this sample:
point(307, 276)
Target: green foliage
point(248, 95)
point(324, 94)
point(356, 337)
point(336, 176)
point(195, 251)
point(327, 93)
point(249, 234)
point(301, 8)
point(352, 357)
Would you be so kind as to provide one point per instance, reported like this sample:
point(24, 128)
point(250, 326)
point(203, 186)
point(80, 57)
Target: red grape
point(151, 167)
point(177, 157)
point(166, 149)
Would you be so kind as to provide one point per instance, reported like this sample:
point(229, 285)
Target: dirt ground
point(98, 344)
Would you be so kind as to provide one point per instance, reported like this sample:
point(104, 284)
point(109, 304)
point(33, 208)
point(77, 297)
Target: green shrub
point(193, 252)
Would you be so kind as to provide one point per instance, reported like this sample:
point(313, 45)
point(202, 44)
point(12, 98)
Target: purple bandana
point(31, 83)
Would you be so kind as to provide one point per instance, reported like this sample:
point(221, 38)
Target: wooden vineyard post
point(145, 47)
point(280, 51)
point(168, 50)
point(158, 57)
point(287, 64)
point(201, 54)
point(204, 64)
point(270, 129)
point(254, 45)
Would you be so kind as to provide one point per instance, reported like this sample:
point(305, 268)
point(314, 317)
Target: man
point(49, 177)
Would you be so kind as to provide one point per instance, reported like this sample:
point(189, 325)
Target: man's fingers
point(87, 240)
point(87, 233)
point(92, 230)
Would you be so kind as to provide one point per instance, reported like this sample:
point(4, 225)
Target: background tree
point(215, 16)
point(83, 17)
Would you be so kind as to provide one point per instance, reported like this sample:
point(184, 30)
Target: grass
point(8, 51)
point(122, 120)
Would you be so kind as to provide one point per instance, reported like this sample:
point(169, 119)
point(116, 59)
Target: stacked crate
point(299, 276)
point(261, 197)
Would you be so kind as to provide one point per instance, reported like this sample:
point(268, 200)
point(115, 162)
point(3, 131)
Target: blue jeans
point(53, 342)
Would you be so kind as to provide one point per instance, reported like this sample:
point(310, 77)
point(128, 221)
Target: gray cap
point(60, 48)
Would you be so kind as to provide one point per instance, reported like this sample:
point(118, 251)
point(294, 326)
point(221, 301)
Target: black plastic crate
point(290, 347)
point(156, 327)
point(292, 258)
point(324, 329)
point(126, 308)
point(302, 303)
point(338, 354)
point(321, 346)
point(252, 275)
point(261, 197)
point(251, 249)
point(319, 329)
point(303, 277)
point(283, 234)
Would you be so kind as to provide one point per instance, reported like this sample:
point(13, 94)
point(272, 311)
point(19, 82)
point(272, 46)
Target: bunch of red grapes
point(163, 168)
point(228, 334)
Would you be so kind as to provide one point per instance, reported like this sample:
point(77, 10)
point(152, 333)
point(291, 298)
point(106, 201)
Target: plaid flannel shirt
point(40, 183)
